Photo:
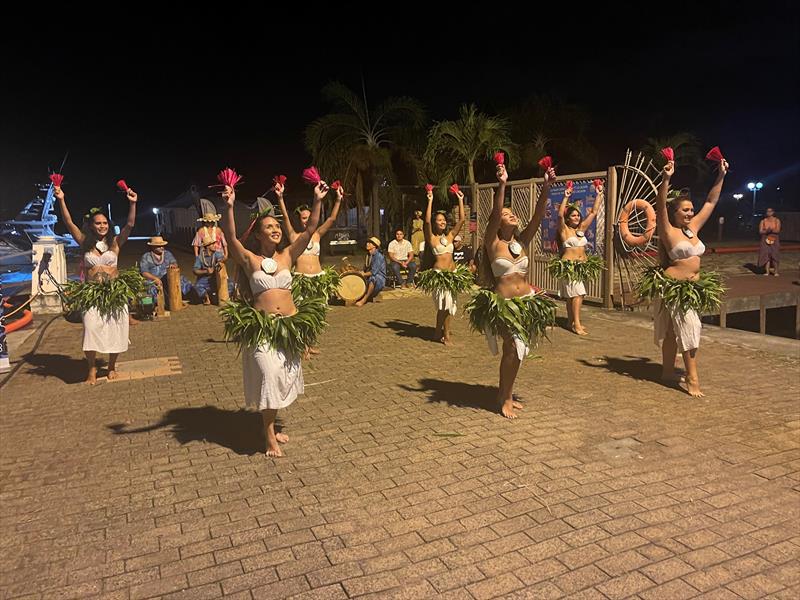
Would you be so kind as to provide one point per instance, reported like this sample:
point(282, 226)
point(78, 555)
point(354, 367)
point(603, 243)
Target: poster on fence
point(583, 196)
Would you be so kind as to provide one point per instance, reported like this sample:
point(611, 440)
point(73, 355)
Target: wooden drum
point(352, 287)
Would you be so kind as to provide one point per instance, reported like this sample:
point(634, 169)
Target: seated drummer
point(206, 265)
point(154, 264)
point(376, 276)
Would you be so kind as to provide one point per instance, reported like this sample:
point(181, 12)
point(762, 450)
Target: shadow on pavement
point(239, 430)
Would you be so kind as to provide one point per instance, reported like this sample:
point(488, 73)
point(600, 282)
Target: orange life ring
point(640, 240)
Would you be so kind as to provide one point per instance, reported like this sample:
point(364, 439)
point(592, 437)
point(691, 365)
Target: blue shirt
point(210, 261)
point(377, 265)
point(147, 264)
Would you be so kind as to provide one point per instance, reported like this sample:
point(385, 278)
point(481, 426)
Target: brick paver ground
point(400, 479)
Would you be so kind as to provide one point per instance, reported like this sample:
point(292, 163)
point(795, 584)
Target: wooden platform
point(758, 292)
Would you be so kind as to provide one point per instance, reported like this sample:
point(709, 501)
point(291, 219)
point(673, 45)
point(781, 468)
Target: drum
point(352, 287)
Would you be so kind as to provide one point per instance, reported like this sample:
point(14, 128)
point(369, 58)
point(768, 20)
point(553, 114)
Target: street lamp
point(158, 220)
point(754, 187)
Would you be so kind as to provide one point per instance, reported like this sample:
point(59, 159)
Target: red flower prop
point(668, 153)
point(336, 185)
point(428, 187)
point(229, 177)
point(56, 178)
point(499, 158)
point(122, 185)
point(715, 154)
point(311, 175)
point(454, 189)
point(570, 185)
point(546, 162)
point(281, 179)
point(598, 183)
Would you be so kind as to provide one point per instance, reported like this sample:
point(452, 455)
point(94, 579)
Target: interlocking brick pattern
point(400, 480)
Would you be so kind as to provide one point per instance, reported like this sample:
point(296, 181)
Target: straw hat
point(210, 217)
point(157, 241)
point(375, 241)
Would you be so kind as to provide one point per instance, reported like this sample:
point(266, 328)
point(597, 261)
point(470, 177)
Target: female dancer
point(103, 298)
point(273, 329)
point(512, 309)
point(574, 267)
point(446, 279)
point(310, 279)
point(679, 289)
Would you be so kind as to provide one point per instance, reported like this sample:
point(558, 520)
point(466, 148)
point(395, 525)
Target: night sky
point(165, 107)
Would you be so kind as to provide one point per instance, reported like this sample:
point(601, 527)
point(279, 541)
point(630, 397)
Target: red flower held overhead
point(336, 185)
point(499, 158)
point(598, 183)
point(546, 162)
point(570, 185)
point(715, 154)
point(668, 153)
point(229, 177)
point(122, 185)
point(56, 178)
point(281, 179)
point(454, 189)
point(311, 175)
point(428, 187)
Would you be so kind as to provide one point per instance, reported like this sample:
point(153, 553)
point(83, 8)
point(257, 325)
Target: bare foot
point(282, 438)
point(447, 341)
point(507, 410)
point(91, 378)
point(313, 350)
point(775, 273)
point(112, 375)
point(578, 330)
point(671, 377)
point(694, 389)
point(517, 405)
point(274, 452)
point(359, 303)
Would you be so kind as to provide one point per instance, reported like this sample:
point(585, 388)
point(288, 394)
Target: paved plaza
point(400, 479)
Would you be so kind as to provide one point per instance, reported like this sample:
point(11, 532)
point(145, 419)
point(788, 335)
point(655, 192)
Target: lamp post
point(754, 187)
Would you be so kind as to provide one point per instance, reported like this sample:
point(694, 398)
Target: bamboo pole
point(174, 288)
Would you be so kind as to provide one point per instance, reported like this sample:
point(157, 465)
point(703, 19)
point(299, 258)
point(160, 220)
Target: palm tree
point(455, 146)
point(687, 147)
point(358, 143)
point(544, 124)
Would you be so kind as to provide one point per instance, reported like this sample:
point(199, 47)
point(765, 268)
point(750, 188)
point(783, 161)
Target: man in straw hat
point(154, 264)
point(208, 229)
point(206, 265)
point(376, 275)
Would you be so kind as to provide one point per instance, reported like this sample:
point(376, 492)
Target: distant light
point(751, 185)
point(738, 196)
point(777, 188)
point(155, 211)
point(759, 185)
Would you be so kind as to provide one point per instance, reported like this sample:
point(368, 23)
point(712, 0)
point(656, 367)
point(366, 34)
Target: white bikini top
point(106, 259)
point(684, 249)
point(446, 248)
point(312, 249)
point(575, 242)
point(261, 281)
point(501, 266)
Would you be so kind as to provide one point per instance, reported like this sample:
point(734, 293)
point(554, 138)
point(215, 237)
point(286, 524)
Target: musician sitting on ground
point(154, 264)
point(376, 276)
point(206, 265)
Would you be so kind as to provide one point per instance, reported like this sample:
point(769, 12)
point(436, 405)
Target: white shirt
point(400, 250)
